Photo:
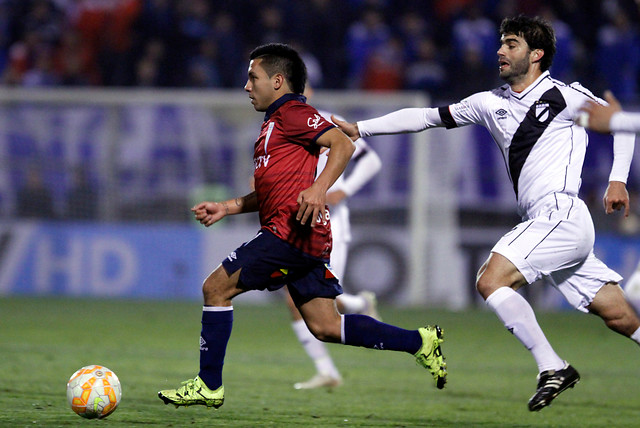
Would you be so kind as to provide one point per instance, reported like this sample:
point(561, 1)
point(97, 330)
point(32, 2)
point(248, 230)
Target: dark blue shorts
point(269, 263)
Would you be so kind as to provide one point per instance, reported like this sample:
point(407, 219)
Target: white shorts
point(556, 244)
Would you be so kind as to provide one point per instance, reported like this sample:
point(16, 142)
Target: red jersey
point(285, 159)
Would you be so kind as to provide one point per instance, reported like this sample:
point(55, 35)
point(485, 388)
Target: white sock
point(636, 336)
point(316, 350)
point(517, 315)
point(352, 303)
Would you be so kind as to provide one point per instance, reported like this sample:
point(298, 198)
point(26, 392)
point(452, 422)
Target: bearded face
point(511, 71)
point(514, 58)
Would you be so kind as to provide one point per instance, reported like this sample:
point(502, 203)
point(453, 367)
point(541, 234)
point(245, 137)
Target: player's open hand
point(616, 197)
point(311, 205)
point(351, 129)
point(208, 213)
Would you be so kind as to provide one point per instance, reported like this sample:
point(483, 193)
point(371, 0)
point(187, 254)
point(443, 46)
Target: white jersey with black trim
point(542, 146)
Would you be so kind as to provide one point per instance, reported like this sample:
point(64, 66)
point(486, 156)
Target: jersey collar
point(283, 99)
point(531, 87)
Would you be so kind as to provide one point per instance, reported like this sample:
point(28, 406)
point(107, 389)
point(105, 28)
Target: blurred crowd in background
point(445, 47)
point(66, 162)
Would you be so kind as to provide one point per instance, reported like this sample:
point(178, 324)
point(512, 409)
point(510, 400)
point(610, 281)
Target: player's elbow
point(349, 145)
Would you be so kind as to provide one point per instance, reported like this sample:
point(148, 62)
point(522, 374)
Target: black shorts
point(269, 263)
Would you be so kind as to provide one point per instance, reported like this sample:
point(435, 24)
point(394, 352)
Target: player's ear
point(536, 55)
point(278, 81)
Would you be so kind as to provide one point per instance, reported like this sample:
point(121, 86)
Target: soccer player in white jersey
point(365, 164)
point(608, 118)
point(531, 118)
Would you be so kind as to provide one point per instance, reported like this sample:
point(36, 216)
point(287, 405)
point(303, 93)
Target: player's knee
point(220, 287)
point(209, 292)
point(324, 332)
point(485, 286)
point(214, 292)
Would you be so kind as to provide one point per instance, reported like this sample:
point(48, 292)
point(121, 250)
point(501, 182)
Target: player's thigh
point(220, 287)
point(580, 284)
point(548, 243)
point(266, 262)
point(322, 318)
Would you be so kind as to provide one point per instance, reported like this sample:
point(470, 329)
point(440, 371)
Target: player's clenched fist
point(208, 213)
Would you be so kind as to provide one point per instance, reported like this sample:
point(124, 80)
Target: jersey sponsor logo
point(261, 161)
point(323, 219)
point(501, 113)
point(315, 121)
point(461, 107)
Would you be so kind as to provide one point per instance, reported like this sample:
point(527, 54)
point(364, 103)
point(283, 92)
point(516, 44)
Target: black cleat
point(550, 384)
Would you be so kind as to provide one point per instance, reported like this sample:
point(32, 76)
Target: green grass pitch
point(154, 345)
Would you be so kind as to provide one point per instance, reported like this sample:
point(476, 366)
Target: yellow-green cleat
point(193, 391)
point(430, 355)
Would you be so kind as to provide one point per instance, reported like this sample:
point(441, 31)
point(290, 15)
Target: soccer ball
point(94, 392)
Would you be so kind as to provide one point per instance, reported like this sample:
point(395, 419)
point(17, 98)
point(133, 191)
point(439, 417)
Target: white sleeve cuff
point(623, 121)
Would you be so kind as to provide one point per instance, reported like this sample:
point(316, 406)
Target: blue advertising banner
point(170, 260)
point(92, 259)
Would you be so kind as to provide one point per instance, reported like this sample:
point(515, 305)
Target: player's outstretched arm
point(597, 117)
point(609, 118)
point(208, 213)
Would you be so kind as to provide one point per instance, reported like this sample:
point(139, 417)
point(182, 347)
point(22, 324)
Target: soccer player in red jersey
point(294, 242)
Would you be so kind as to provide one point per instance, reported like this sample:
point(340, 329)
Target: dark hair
point(537, 32)
point(281, 58)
